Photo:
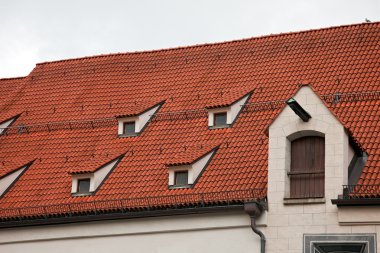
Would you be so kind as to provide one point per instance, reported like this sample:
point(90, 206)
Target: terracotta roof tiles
point(84, 95)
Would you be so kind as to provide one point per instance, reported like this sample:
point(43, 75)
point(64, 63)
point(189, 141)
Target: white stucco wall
point(225, 233)
point(6, 181)
point(287, 223)
point(6, 124)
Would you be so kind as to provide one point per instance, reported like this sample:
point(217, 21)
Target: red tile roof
point(190, 154)
point(83, 96)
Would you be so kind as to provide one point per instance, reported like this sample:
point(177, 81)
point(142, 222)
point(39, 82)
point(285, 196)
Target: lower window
point(340, 243)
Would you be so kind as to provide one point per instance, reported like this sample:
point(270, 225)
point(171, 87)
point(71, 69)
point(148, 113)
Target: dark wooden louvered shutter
point(307, 168)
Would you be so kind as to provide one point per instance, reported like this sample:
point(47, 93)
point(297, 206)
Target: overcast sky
point(33, 31)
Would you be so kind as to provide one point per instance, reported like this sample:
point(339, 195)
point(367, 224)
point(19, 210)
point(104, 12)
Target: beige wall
point(287, 223)
point(227, 232)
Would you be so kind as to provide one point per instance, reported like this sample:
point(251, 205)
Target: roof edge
point(12, 78)
point(208, 44)
point(91, 217)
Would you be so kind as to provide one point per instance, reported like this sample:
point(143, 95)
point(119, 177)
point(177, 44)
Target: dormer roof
point(190, 154)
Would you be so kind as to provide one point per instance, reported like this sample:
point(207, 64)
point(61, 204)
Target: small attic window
point(133, 124)
point(84, 186)
point(220, 119)
point(225, 115)
point(129, 128)
point(184, 172)
point(181, 178)
point(87, 182)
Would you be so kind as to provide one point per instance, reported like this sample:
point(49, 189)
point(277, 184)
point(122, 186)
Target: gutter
point(254, 210)
point(39, 221)
point(356, 202)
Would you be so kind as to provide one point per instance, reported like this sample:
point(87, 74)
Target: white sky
point(33, 31)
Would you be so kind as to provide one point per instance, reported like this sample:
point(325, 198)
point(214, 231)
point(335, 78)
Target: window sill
point(290, 201)
point(220, 126)
point(128, 135)
point(81, 194)
point(180, 186)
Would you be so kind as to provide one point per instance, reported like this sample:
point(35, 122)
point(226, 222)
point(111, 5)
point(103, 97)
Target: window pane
point(129, 128)
point(181, 177)
point(220, 119)
point(84, 185)
point(338, 248)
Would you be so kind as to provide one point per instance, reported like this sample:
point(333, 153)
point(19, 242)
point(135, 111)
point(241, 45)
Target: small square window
point(129, 128)
point(220, 119)
point(181, 178)
point(83, 186)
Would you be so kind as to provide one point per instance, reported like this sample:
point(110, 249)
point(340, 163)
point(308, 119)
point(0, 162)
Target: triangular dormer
point(223, 114)
point(186, 168)
point(134, 123)
point(9, 179)
point(87, 182)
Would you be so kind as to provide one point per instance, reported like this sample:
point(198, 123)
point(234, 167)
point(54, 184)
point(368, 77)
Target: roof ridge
point(208, 44)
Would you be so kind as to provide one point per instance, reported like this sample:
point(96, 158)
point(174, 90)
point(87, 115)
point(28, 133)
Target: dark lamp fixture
point(297, 108)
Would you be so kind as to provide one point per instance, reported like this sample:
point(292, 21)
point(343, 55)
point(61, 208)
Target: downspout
point(254, 210)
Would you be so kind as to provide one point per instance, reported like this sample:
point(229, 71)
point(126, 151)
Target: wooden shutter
point(307, 168)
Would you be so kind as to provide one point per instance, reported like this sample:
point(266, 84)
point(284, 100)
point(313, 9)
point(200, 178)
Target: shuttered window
point(307, 168)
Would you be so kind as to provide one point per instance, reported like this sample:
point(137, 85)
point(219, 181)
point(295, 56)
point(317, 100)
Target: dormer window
point(220, 119)
point(87, 182)
point(181, 178)
point(224, 116)
point(129, 128)
point(134, 123)
point(84, 186)
point(185, 171)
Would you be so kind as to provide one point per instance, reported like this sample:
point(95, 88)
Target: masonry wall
point(290, 220)
point(218, 232)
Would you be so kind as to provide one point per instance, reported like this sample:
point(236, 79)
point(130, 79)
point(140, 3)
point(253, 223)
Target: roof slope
point(80, 97)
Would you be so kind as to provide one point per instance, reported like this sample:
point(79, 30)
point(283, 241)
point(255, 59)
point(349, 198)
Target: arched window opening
point(307, 167)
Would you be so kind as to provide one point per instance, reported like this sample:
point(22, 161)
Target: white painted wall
point(101, 173)
point(227, 232)
point(288, 223)
point(199, 165)
point(360, 215)
point(6, 124)
point(6, 181)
